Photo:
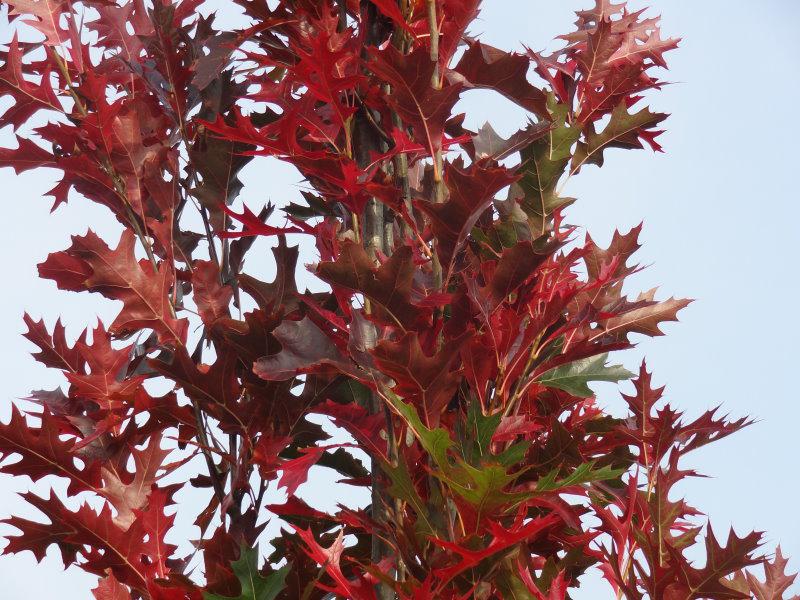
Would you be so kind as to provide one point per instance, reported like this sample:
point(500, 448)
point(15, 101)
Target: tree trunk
point(376, 235)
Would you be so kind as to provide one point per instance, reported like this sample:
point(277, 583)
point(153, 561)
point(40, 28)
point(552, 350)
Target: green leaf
point(485, 485)
point(479, 431)
point(543, 164)
point(480, 486)
point(509, 584)
point(573, 377)
point(513, 454)
point(403, 488)
point(585, 473)
point(254, 586)
point(436, 442)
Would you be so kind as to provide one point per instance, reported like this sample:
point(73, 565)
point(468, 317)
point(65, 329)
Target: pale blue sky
point(721, 219)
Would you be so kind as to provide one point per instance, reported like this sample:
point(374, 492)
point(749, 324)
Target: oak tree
point(462, 327)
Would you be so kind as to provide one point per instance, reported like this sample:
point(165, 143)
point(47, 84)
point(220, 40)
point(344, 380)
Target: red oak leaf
point(421, 106)
point(776, 582)
point(708, 582)
point(363, 426)
point(43, 452)
point(501, 540)
point(472, 191)
point(212, 298)
point(389, 286)
point(295, 471)
point(54, 350)
point(29, 98)
point(392, 10)
point(133, 556)
point(110, 589)
point(483, 66)
point(305, 348)
point(104, 381)
point(328, 558)
point(129, 496)
point(427, 382)
point(46, 17)
point(116, 274)
point(253, 225)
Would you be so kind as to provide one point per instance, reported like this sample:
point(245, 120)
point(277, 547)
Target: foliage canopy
point(456, 345)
